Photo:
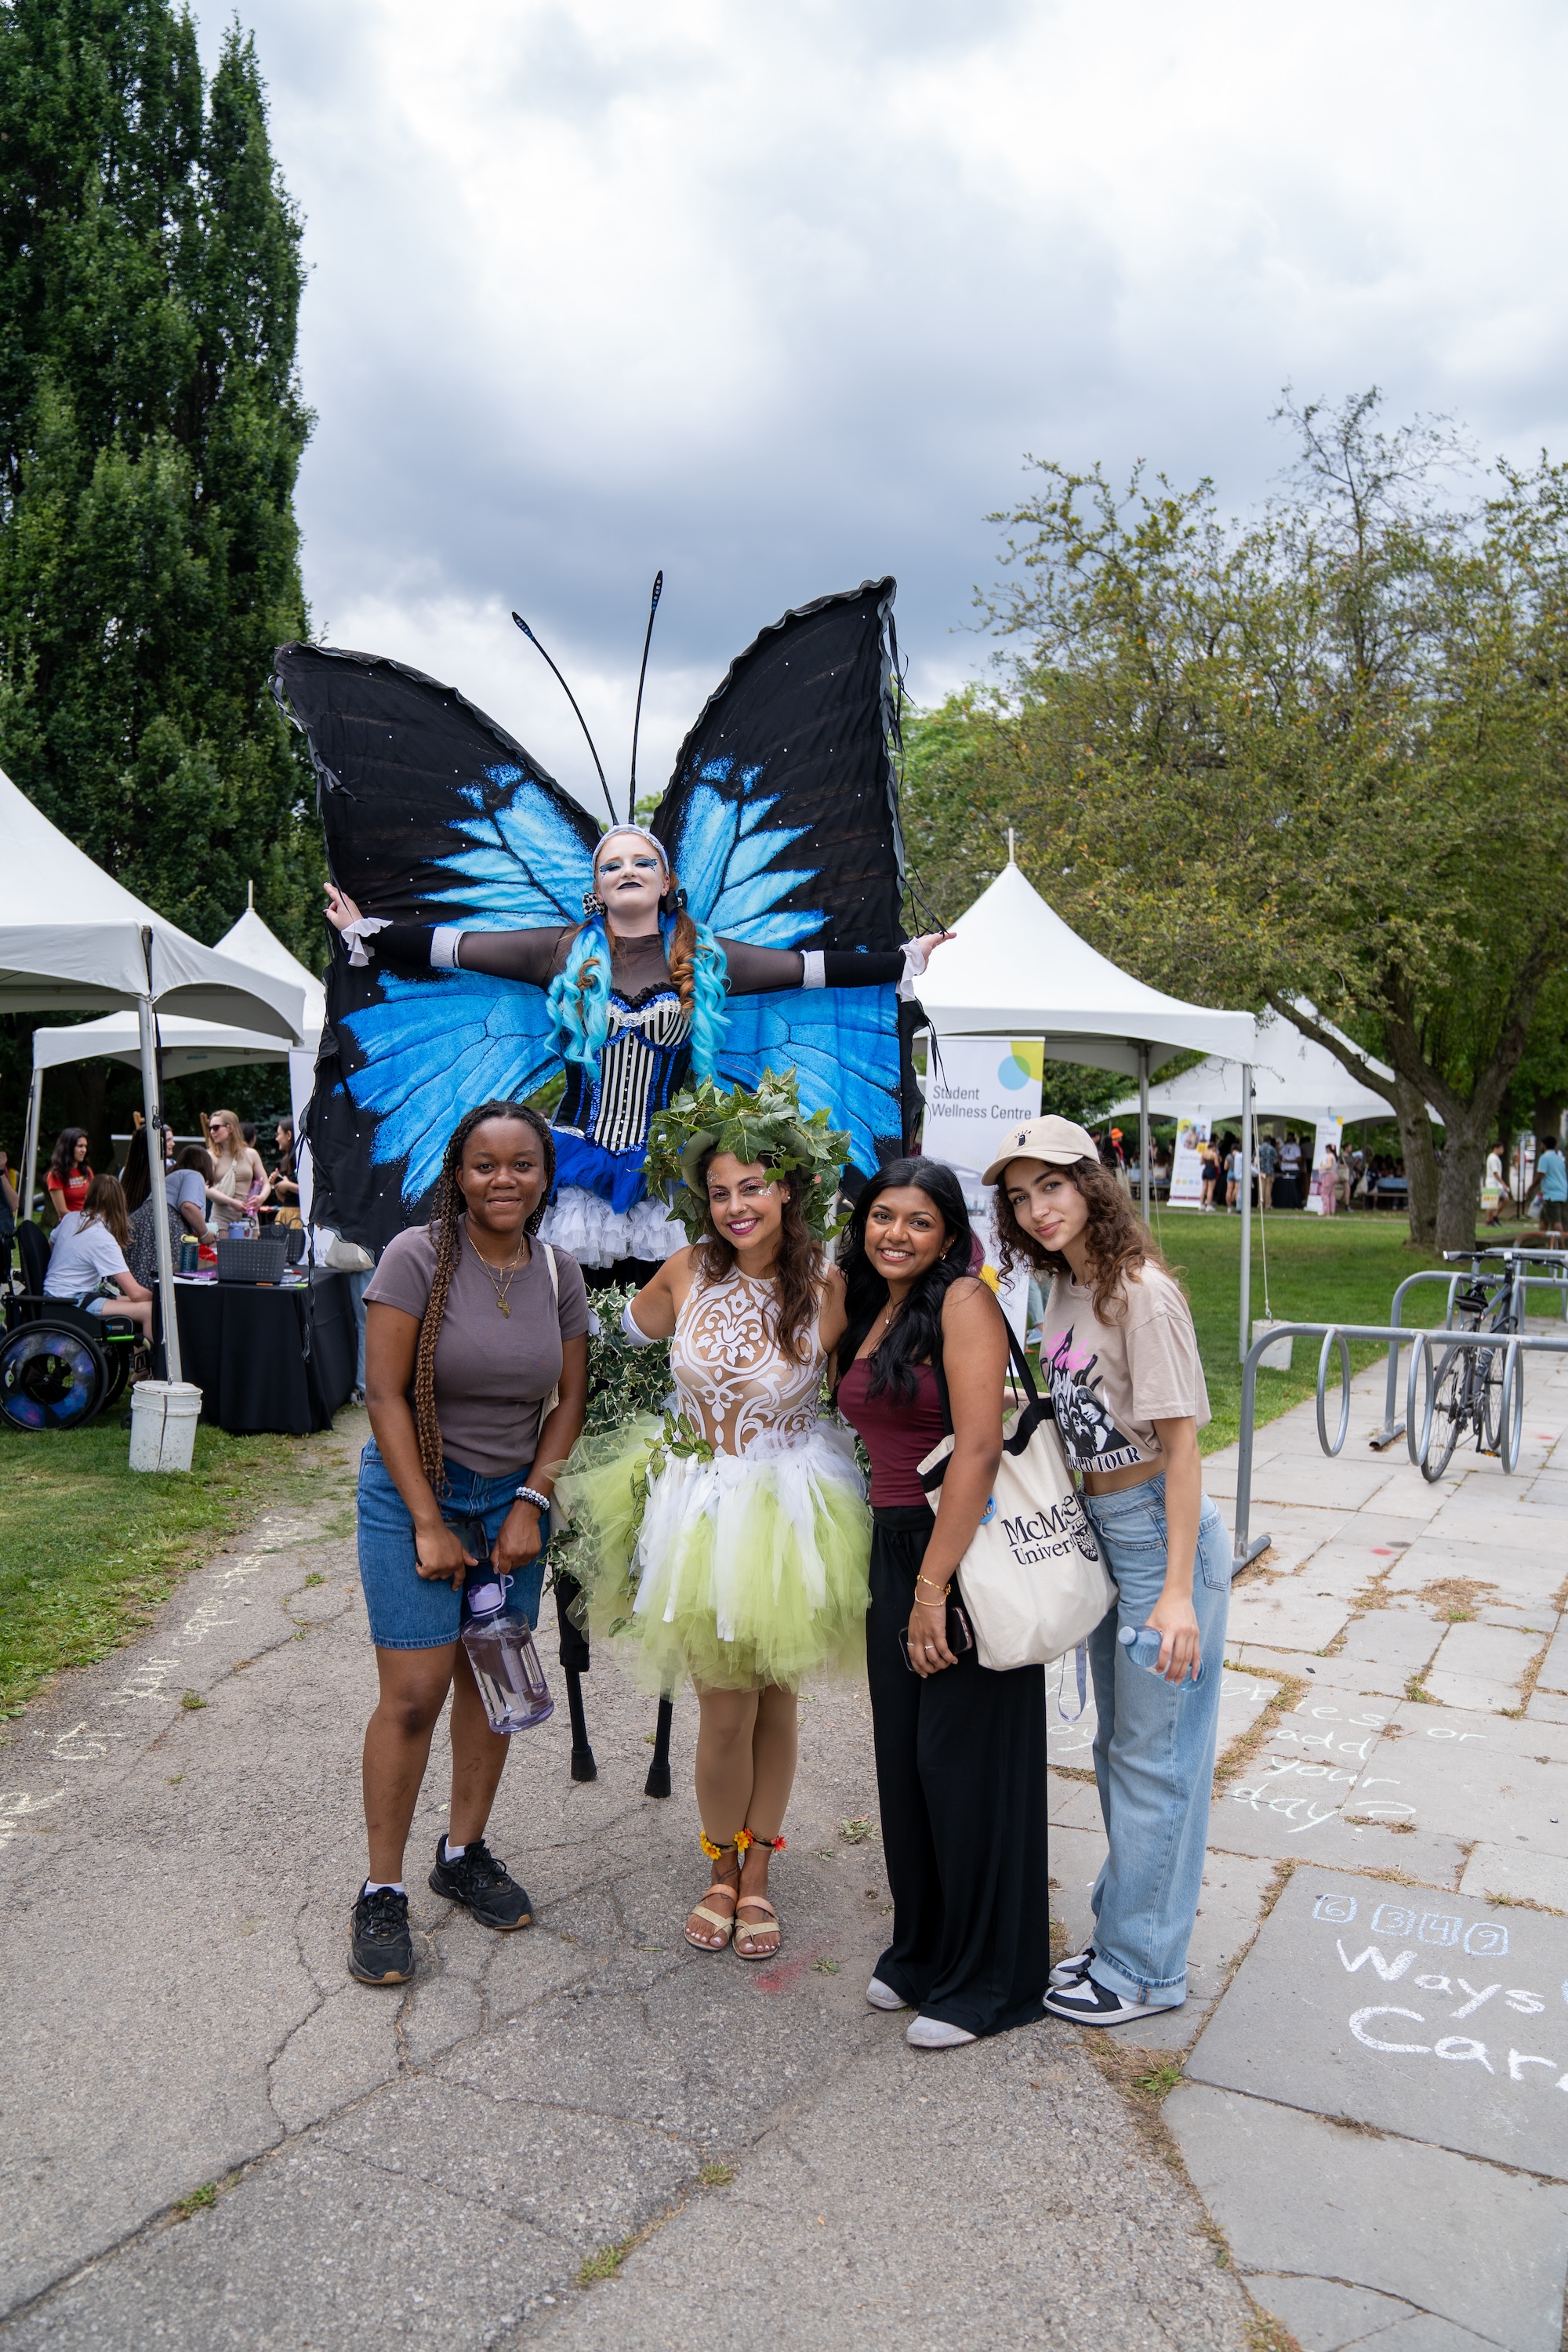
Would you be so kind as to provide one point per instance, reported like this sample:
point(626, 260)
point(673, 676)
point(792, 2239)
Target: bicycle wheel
point(1450, 1412)
point(1490, 1403)
point(1510, 1413)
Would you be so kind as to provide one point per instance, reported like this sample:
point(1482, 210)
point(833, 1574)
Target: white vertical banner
point(976, 1090)
point(1329, 1130)
point(1188, 1163)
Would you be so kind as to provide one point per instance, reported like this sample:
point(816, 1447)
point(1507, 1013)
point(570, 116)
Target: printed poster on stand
point(1187, 1161)
point(976, 1090)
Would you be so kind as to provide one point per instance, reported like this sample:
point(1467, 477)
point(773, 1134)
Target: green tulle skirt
point(743, 1570)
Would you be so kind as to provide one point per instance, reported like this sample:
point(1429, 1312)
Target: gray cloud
point(778, 299)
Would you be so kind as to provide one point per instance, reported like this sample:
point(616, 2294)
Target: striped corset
point(644, 1059)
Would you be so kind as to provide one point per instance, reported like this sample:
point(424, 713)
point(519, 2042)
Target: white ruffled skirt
point(595, 1234)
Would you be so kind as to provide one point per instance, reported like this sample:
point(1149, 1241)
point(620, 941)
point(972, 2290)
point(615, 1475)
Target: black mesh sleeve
point(756, 971)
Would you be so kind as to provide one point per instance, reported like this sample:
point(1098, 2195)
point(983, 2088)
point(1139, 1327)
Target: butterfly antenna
point(642, 674)
point(582, 722)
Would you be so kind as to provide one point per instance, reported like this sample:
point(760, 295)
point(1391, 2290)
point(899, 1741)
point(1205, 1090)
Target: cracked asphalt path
point(436, 2167)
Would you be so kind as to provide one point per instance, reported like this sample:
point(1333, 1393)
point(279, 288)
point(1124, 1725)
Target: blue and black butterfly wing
point(781, 822)
point(432, 814)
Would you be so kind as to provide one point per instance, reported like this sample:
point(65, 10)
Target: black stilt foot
point(657, 1782)
point(584, 1767)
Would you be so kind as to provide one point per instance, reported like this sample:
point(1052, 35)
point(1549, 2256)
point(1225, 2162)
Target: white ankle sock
point(385, 1887)
point(450, 1852)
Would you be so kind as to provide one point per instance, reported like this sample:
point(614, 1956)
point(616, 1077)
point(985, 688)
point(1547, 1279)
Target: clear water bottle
point(500, 1643)
point(1141, 1644)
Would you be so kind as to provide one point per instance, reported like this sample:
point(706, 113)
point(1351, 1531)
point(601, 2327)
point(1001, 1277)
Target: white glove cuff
point(443, 947)
point(633, 1332)
point(356, 934)
point(815, 971)
point(914, 964)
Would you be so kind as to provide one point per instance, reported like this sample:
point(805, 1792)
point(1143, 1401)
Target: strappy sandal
point(751, 1929)
point(725, 1920)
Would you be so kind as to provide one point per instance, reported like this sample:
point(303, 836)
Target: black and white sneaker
point(380, 1950)
point(482, 1884)
point(1073, 1970)
point(1088, 2003)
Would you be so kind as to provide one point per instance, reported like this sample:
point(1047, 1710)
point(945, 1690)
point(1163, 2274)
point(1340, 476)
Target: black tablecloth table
point(1287, 1192)
point(281, 1359)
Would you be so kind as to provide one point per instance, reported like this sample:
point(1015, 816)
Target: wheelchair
point(60, 1365)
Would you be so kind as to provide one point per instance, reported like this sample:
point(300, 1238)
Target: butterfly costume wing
point(432, 814)
point(782, 823)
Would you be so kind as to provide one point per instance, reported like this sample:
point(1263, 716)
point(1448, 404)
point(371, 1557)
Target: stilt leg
point(574, 1661)
point(657, 1782)
point(584, 1767)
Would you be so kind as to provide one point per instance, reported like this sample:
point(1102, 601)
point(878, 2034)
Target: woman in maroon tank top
point(960, 1750)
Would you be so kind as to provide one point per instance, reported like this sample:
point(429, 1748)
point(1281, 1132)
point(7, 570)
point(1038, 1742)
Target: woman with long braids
point(637, 995)
point(730, 1546)
point(1127, 1388)
point(960, 1750)
point(477, 1381)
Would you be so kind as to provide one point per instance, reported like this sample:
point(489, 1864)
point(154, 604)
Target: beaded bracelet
point(531, 1495)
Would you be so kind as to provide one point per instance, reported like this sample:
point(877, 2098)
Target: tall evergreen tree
point(150, 431)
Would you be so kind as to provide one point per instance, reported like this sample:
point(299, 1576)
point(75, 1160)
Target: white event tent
point(1292, 1077)
point(1017, 969)
point(73, 941)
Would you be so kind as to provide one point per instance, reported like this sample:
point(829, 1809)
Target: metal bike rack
point(1247, 1546)
point(1557, 1281)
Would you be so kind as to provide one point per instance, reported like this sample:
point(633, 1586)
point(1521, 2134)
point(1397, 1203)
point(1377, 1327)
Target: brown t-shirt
point(492, 1370)
point(1110, 1382)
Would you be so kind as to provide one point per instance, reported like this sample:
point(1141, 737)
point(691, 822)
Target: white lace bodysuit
point(732, 1378)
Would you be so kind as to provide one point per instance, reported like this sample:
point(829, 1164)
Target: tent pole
point(1246, 1205)
point(30, 1141)
point(1143, 1201)
point(152, 1111)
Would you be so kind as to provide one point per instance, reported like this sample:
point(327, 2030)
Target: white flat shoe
point(882, 1996)
point(931, 2033)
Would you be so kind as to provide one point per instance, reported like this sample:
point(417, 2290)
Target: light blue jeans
point(1153, 1752)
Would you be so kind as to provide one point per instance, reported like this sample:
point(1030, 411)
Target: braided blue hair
point(579, 995)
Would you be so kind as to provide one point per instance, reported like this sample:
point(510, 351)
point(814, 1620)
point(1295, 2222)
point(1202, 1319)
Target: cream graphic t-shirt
point(1109, 1382)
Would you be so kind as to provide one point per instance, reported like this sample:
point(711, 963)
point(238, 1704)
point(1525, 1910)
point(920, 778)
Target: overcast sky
point(778, 296)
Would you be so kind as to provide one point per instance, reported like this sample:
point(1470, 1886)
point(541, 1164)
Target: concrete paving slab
point(1491, 1654)
point(1326, 2317)
point(1480, 2247)
point(1338, 1673)
point(1479, 1776)
point(1513, 1874)
point(1284, 1616)
point(1070, 1740)
point(1426, 2333)
point(1546, 1707)
point(1407, 2009)
point(1553, 1674)
point(1397, 1641)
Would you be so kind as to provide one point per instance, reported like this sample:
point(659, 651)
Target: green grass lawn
point(88, 1548)
point(1342, 1269)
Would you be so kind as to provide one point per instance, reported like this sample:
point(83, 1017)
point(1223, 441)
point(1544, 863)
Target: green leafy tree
point(150, 430)
point(1317, 760)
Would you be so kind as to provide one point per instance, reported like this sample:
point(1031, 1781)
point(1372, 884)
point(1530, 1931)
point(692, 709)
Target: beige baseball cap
point(1059, 1140)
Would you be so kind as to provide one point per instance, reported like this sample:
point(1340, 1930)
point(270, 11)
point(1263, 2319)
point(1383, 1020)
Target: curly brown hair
point(797, 1271)
point(446, 1232)
point(1118, 1242)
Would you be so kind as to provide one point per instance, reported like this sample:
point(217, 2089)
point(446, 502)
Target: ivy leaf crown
point(766, 1126)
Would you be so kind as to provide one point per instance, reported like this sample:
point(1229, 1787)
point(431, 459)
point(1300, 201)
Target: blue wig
point(579, 995)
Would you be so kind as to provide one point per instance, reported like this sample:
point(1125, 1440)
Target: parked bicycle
point(1476, 1391)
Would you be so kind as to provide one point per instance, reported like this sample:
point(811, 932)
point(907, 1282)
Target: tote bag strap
point(549, 1403)
point(1021, 1369)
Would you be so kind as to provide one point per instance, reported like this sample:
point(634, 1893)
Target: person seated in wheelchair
point(87, 1258)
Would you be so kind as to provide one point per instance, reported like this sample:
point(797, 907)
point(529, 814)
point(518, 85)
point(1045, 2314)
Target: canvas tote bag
point(1033, 1581)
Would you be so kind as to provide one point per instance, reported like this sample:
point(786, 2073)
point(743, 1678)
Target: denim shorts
point(410, 1611)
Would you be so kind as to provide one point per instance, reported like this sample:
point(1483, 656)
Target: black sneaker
point(1088, 2003)
point(483, 1884)
point(380, 1950)
point(1070, 1971)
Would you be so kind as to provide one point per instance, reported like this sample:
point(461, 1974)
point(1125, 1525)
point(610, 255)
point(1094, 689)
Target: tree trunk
point(1420, 1161)
point(1465, 1145)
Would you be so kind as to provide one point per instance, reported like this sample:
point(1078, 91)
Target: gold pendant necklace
point(500, 1288)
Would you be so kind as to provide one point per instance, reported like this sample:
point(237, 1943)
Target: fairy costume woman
point(730, 1543)
point(755, 923)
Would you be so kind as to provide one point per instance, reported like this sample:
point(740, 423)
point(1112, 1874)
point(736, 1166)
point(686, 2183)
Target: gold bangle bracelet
point(942, 1591)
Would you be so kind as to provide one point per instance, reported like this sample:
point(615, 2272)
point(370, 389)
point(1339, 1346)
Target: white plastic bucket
point(163, 1416)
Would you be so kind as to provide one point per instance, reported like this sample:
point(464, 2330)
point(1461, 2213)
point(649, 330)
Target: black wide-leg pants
point(961, 1774)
